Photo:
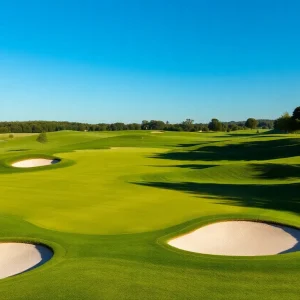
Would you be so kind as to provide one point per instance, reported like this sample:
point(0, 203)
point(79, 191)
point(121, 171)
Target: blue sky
point(106, 61)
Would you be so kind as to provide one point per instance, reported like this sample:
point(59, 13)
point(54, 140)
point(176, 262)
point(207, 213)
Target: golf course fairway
point(115, 199)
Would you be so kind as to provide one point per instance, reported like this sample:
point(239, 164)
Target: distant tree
point(284, 123)
point(26, 128)
point(215, 125)
point(156, 125)
point(42, 138)
point(233, 127)
point(11, 136)
point(251, 123)
point(81, 127)
point(189, 121)
point(117, 126)
point(16, 128)
point(133, 126)
point(102, 127)
point(188, 125)
point(37, 128)
point(145, 125)
point(265, 124)
point(296, 113)
point(4, 130)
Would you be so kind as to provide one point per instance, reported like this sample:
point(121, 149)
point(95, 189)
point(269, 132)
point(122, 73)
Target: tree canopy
point(186, 125)
point(289, 123)
point(296, 113)
point(215, 125)
point(251, 123)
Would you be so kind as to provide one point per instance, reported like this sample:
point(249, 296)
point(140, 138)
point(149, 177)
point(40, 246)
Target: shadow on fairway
point(18, 150)
point(188, 166)
point(257, 150)
point(243, 134)
point(283, 197)
point(198, 144)
point(277, 171)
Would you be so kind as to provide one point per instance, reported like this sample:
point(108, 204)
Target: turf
point(108, 208)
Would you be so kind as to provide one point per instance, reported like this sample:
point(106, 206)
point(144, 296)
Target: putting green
point(109, 207)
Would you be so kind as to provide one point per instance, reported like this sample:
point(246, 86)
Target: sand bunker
point(36, 162)
point(157, 131)
point(240, 238)
point(17, 258)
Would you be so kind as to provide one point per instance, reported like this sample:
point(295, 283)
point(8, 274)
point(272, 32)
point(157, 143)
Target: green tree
point(145, 125)
point(37, 128)
point(296, 119)
point(42, 138)
point(284, 123)
point(4, 130)
point(251, 123)
point(215, 125)
point(156, 125)
point(296, 113)
point(188, 125)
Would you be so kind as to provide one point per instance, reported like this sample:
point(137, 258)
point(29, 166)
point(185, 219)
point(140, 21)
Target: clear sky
point(112, 60)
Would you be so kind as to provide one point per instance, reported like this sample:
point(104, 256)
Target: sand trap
point(240, 238)
point(36, 162)
point(157, 131)
point(17, 258)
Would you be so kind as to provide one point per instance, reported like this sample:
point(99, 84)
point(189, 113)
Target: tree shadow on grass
point(277, 171)
point(198, 144)
point(189, 145)
point(282, 197)
point(187, 166)
point(18, 150)
point(257, 150)
point(243, 134)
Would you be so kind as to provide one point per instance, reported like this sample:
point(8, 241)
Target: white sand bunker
point(17, 258)
point(35, 162)
point(240, 238)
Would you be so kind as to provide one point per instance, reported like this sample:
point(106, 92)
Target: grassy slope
point(150, 186)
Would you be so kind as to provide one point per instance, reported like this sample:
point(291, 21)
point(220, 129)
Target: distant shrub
point(42, 138)
point(11, 136)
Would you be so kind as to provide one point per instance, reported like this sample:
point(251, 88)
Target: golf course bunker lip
point(16, 258)
point(35, 162)
point(240, 238)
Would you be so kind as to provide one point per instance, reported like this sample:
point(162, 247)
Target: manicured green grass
point(108, 208)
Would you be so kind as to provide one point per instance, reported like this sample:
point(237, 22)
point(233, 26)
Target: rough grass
point(108, 212)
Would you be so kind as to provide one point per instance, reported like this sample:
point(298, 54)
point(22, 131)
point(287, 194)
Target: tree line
point(289, 123)
point(187, 125)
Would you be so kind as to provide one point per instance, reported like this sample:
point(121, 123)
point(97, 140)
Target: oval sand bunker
point(35, 162)
point(240, 238)
point(17, 258)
